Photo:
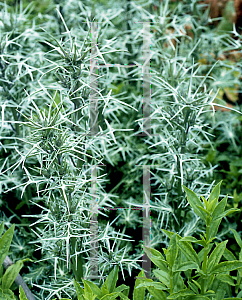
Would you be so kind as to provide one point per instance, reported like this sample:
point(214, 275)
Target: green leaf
point(172, 251)
point(229, 255)
point(226, 278)
point(79, 290)
point(214, 228)
point(237, 237)
point(139, 293)
point(219, 209)
point(189, 239)
point(104, 289)
point(188, 251)
point(22, 295)
point(216, 255)
point(156, 292)
point(168, 233)
point(110, 296)
point(157, 258)
point(204, 210)
point(193, 287)
point(227, 212)
point(11, 273)
point(213, 198)
point(95, 289)
point(1, 228)
point(182, 293)
point(194, 201)
point(5, 243)
point(227, 266)
point(156, 285)
point(88, 292)
point(112, 278)
point(164, 277)
point(122, 288)
point(187, 265)
point(6, 295)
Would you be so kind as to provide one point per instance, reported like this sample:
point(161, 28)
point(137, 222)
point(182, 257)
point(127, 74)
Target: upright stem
point(205, 258)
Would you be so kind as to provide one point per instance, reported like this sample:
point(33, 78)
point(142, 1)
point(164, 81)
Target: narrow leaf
point(5, 243)
point(194, 201)
point(189, 252)
point(22, 295)
point(226, 278)
point(216, 255)
point(11, 273)
point(214, 196)
point(164, 277)
point(182, 293)
point(79, 290)
point(237, 238)
point(227, 266)
point(187, 265)
point(139, 293)
point(219, 209)
point(226, 213)
point(1, 228)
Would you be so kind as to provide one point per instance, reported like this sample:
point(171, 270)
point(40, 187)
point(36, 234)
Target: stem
point(205, 258)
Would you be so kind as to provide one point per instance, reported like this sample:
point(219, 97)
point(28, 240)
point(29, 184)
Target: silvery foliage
point(182, 92)
point(48, 144)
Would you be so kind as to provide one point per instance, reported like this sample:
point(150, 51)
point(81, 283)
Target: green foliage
point(7, 279)
point(46, 152)
point(186, 274)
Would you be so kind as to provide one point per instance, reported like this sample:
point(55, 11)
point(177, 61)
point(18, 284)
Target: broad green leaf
point(227, 212)
point(226, 278)
point(1, 228)
point(187, 265)
point(214, 228)
point(6, 295)
point(11, 273)
point(123, 296)
point(227, 266)
point(168, 233)
point(172, 251)
point(189, 252)
point(193, 287)
point(213, 198)
point(219, 209)
point(194, 201)
point(200, 297)
point(95, 289)
point(156, 285)
point(79, 290)
point(110, 296)
point(139, 293)
point(5, 243)
point(88, 292)
point(201, 253)
point(229, 255)
point(112, 278)
point(104, 288)
point(22, 295)
point(122, 288)
point(164, 277)
point(216, 255)
point(158, 294)
point(157, 258)
point(182, 293)
point(189, 239)
point(204, 210)
point(237, 237)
